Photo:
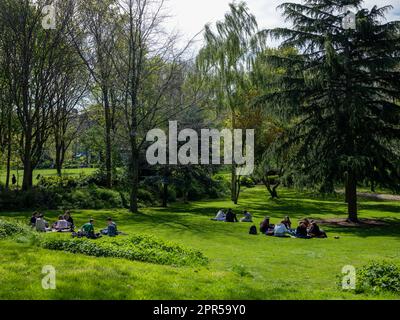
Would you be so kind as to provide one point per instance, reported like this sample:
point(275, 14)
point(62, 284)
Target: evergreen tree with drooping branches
point(341, 95)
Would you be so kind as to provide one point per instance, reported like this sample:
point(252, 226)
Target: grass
point(240, 266)
point(45, 173)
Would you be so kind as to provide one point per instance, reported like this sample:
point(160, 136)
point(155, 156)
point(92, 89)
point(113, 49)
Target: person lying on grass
point(301, 231)
point(287, 223)
point(247, 217)
point(111, 229)
point(281, 230)
point(231, 217)
point(315, 232)
point(62, 225)
point(221, 216)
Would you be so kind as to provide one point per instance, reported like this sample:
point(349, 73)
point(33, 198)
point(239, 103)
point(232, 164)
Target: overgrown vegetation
point(11, 228)
point(143, 248)
point(379, 276)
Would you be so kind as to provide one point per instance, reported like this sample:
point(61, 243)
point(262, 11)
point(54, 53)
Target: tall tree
point(226, 58)
point(339, 96)
point(93, 34)
point(34, 54)
point(150, 72)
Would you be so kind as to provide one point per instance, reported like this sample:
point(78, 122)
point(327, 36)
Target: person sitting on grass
point(301, 231)
point(221, 216)
point(307, 223)
point(33, 219)
point(280, 230)
point(88, 230)
point(111, 229)
point(265, 226)
point(41, 224)
point(68, 217)
point(287, 223)
point(231, 217)
point(62, 224)
point(315, 231)
point(247, 217)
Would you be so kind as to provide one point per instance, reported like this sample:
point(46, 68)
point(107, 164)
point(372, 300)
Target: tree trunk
point(8, 165)
point(27, 182)
point(351, 192)
point(346, 189)
point(58, 161)
point(233, 170)
point(165, 195)
point(28, 173)
point(233, 183)
point(134, 176)
point(108, 128)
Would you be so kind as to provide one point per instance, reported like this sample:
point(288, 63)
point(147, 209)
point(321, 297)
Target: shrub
point(140, 248)
point(146, 197)
point(247, 182)
point(9, 229)
point(379, 276)
point(59, 198)
point(60, 182)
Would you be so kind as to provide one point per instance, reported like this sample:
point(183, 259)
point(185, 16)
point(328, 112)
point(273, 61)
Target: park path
point(376, 196)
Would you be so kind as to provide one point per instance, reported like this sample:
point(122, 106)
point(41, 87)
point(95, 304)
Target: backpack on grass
point(253, 230)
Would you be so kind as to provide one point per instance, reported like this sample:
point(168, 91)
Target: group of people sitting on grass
point(65, 223)
point(306, 229)
point(230, 216)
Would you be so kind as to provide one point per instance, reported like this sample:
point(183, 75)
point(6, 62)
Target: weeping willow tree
point(340, 96)
point(226, 59)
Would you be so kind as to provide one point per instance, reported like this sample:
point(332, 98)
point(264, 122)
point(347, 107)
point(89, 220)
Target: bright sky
point(190, 16)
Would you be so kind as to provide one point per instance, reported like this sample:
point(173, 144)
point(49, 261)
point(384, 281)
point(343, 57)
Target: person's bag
point(253, 230)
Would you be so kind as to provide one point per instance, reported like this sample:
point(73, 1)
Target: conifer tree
point(341, 94)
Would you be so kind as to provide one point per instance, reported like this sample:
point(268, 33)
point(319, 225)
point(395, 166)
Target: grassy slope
point(241, 266)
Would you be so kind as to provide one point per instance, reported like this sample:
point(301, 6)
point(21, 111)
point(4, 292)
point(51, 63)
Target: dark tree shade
point(341, 95)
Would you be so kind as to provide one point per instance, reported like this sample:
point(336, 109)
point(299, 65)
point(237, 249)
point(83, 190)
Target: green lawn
point(45, 173)
point(241, 266)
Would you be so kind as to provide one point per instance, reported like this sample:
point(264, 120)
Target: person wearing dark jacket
point(33, 219)
point(301, 231)
point(231, 217)
point(315, 231)
point(68, 217)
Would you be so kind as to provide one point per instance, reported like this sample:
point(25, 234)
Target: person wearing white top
point(247, 217)
point(62, 224)
point(41, 224)
point(280, 230)
point(220, 216)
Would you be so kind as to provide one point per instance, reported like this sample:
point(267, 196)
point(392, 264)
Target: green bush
point(378, 276)
point(9, 229)
point(247, 182)
point(60, 182)
point(140, 248)
point(59, 198)
point(146, 197)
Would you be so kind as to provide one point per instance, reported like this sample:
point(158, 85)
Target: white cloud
point(190, 16)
